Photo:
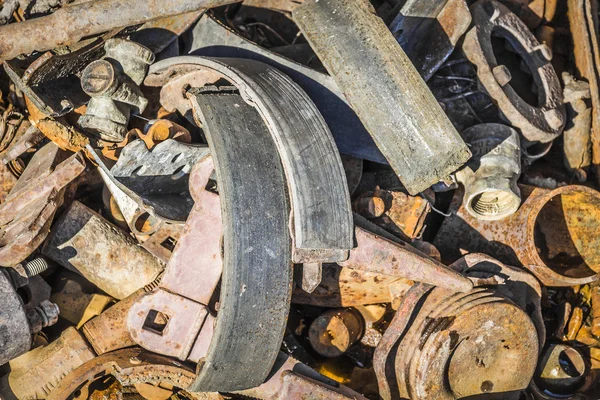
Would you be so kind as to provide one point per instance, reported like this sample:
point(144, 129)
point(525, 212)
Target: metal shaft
point(69, 24)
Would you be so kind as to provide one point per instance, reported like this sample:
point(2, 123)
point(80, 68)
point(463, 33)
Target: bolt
point(502, 75)
point(370, 207)
point(99, 78)
point(36, 267)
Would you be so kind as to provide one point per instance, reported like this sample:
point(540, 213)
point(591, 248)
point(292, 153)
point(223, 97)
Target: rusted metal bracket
point(384, 89)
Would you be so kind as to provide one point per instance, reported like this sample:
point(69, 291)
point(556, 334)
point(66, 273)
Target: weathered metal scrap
point(384, 89)
point(553, 234)
point(538, 112)
point(27, 212)
point(322, 220)
point(437, 335)
point(213, 39)
point(113, 85)
point(490, 177)
point(35, 374)
point(70, 24)
point(84, 242)
point(561, 372)
point(577, 136)
point(583, 24)
point(427, 31)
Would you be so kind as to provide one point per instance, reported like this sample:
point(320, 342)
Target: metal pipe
point(70, 24)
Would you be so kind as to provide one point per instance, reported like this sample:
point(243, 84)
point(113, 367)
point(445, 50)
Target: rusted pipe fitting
point(553, 234)
point(113, 84)
point(490, 177)
point(84, 242)
point(539, 119)
point(335, 331)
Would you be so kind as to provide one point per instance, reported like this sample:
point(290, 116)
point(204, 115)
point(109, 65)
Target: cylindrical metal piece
point(553, 234)
point(490, 177)
point(334, 331)
point(561, 371)
point(71, 23)
point(384, 89)
point(84, 242)
point(36, 267)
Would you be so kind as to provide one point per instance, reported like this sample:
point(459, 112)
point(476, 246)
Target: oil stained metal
point(385, 90)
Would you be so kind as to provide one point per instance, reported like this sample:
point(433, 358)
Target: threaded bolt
point(36, 266)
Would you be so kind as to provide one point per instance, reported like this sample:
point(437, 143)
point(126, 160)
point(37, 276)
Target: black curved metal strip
point(257, 271)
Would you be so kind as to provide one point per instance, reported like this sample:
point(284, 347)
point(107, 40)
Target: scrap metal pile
point(286, 199)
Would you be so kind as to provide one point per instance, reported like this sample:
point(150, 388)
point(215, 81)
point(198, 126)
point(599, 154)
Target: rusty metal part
point(395, 258)
point(541, 119)
point(108, 331)
point(595, 301)
point(130, 367)
point(292, 380)
point(583, 24)
point(158, 34)
point(160, 130)
point(575, 323)
point(27, 212)
point(72, 293)
point(428, 31)
point(162, 242)
point(322, 222)
point(552, 235)
point(561, 371)
point(35, 374)
point(113, 85)
point(335, 331)
point(385, 90)
point(70, 24)
point(490, 177)
point(576, 137)
point(437, 335)
point(84, 242)
point(395, 211)
point(213, 39)
point(57, 129)
point(112, 151)
point(28, 140)
point(345, 287)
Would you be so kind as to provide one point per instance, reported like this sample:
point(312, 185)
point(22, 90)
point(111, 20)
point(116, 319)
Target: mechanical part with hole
point(541, 117)
point(553, 234)
point(86, 243)
point(490, 177)
point(562, 370)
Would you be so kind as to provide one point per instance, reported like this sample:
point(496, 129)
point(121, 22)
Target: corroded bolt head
point(502, 75)
point(99, 78)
